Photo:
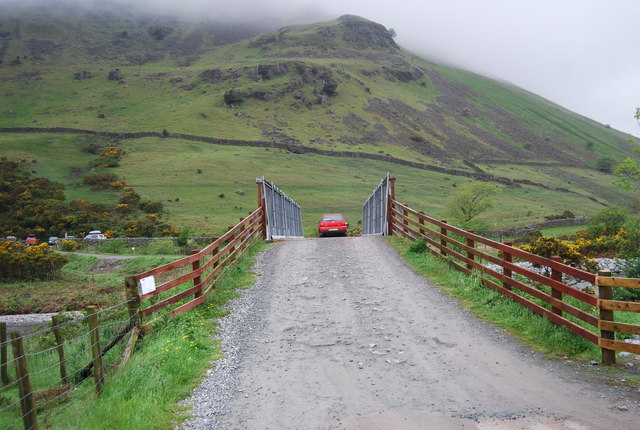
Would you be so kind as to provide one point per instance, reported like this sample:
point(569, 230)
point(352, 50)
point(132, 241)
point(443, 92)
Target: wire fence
point(43, 371)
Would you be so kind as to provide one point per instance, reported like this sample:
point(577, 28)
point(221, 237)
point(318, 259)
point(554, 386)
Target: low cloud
point(581, 54)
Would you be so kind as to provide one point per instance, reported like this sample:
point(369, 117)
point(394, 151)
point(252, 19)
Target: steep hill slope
point(167, 74)
point(341, 87)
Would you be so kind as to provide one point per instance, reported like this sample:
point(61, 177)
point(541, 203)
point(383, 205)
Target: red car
point(31, 239)
point(332, 224)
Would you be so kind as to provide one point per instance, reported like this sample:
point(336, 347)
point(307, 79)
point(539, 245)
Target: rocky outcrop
point(82, 74)
point(115, 75)
point(362, 33)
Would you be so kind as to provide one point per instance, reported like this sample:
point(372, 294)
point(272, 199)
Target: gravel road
point(340, 333)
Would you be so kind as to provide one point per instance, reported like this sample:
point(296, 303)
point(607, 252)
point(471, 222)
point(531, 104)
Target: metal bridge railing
point(283, 215)
point(375, 209)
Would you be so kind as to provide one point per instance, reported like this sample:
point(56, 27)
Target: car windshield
point(332, 217)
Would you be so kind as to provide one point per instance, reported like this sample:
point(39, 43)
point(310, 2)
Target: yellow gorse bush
point(18, 261)
point(571, 253)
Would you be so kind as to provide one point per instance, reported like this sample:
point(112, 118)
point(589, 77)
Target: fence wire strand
point(50, 390)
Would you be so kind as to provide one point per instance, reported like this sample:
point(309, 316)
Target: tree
point(607, 222)
point(628, 172)
point(628, 175)
point(329, 88)
point(471, 200)
point(605, 164)
point(233, 97)
point(392, 33)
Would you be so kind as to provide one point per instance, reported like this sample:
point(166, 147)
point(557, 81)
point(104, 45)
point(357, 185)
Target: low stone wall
point(568, 222)
point(137, 241)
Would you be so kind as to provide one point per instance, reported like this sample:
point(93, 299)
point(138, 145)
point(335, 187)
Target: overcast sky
point(581, 54)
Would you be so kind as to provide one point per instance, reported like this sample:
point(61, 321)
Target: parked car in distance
point(95, 234)
point(31, 239)
point(11, 238)
point(332, 225)
point(54, 241)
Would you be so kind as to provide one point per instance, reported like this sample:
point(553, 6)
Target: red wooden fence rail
point(193, 276)
point(459, 247)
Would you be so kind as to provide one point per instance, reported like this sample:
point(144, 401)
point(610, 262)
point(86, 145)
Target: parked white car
point(95, 234)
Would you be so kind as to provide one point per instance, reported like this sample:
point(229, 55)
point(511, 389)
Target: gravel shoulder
point(341, 334)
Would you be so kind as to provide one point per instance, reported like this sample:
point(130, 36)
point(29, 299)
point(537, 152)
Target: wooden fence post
point(261, 205)
point(443, 242)
point(405, 222)
point(472, 244)
point(56, 321)
point(391, 198)
point(232, 248)
point(507, 258)
point(421, 222)
point(133, 298)
point(556, 275)
point(4, 373)
point(27, 403)
point(197, 281)
point(606, 293)
point(96, 350)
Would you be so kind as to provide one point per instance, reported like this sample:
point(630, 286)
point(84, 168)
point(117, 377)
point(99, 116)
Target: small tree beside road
point(471, 200)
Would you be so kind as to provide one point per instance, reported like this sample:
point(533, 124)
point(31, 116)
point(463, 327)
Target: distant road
point(104, 256)
point(341, 334)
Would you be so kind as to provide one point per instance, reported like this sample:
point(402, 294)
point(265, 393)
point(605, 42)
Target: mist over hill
point(383, 94)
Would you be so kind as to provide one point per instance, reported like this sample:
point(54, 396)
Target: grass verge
point(168, 363)
point(82, 282)
point(530, 328)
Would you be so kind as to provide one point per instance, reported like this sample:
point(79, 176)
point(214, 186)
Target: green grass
point(560, 231)
point(169, 94)
point(167, 170)
point(489, 305)
point(534, 330)
point(150, 101)
point(181, 349)
point(78, 286)
point(168, 363)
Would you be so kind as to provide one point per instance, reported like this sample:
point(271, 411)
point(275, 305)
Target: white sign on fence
point(147, 285)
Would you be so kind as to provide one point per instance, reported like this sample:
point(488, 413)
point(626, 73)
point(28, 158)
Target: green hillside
point(342, 86)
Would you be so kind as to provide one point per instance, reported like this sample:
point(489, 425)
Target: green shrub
point(19, 262)
point(130, 197)
point(99, 181)
point(263, 71)
point(566, 214)
point(419, 246)
point(329, 88)
point(232, 97)
point(159, 247)
point(69, 245)
point(607, 222)
point(152, 207)
point(115, 246)
point(569, 252)
point(605, 164)
point(184, 236)
point(110, 157)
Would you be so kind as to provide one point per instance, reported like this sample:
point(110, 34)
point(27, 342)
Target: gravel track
point(341, 334)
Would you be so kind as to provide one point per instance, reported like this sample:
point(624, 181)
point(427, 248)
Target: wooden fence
point(560, 303)
point(190, 279)
point(45, 369)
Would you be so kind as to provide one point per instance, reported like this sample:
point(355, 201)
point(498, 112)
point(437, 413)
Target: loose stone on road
point(341, 334)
